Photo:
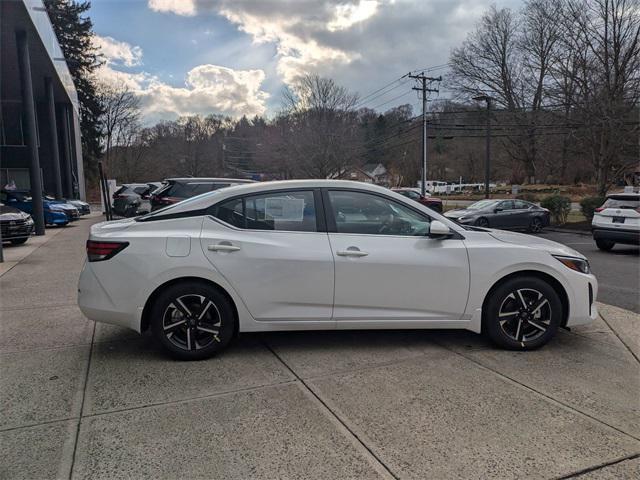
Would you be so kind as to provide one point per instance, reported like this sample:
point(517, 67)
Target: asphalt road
point(618, 271)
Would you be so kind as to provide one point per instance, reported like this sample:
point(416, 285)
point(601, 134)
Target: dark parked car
point(505, 214)
point(177, 189)
point(132, 199)
point(16, 226)
point(427, 200)
point(55, 213)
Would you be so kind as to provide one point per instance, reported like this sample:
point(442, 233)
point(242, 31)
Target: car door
point(274, 250)
point(386, 268)
point(522, 213)
point(504, 217)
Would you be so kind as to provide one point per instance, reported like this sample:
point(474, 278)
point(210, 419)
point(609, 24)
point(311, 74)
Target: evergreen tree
point(74, 30)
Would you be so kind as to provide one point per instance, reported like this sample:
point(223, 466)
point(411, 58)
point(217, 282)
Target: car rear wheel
point(523, 313)
point(482, 222)
point(536, 225)
point(605, 245)
point(192, 320)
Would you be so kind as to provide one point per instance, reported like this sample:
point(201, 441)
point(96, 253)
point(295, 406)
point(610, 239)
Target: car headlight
point(463, 219)
point(29, 221)
point(578, 264)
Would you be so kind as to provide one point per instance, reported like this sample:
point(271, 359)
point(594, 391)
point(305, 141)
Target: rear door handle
point(223, 247)
point(351, 252)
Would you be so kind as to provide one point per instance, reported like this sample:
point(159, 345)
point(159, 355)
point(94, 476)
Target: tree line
point(563, 78)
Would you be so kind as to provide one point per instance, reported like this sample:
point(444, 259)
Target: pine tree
point(74, 30)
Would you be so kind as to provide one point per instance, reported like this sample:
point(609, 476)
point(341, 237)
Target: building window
point(11, 124)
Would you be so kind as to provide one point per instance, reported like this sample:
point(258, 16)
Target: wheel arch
point(555, 284)
point(146, 311)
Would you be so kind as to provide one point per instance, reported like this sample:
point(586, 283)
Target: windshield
point(482, 204)
point(622, 201)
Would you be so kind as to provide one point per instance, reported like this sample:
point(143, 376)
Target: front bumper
point(582, 307)
point(13, 230)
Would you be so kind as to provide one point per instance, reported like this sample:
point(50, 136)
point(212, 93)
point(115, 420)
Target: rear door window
point(283, 211)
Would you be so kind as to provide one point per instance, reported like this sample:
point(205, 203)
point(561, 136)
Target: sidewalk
point(80, 400)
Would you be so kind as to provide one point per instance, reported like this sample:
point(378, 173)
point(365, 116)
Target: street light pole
point(487, 161)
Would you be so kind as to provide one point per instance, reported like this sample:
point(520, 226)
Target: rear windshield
point(191, 189)
point(622, 201)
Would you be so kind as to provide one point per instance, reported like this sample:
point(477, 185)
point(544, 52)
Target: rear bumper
point(617, 235)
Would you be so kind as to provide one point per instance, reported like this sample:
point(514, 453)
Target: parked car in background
point(325, 255)
point(132, 199)
point(427, 200)
point(54, 213)
point(617, 221)
point(16, 226)
point(175, 190)
point(503, 214)
point(83, 207)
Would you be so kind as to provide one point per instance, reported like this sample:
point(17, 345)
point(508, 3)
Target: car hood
point(10, 214)
point(533, 241)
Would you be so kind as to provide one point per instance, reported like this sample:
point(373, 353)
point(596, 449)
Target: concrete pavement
point(79, 400)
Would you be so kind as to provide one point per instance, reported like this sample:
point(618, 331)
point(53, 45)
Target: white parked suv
point(325, 255)
point(617, 221)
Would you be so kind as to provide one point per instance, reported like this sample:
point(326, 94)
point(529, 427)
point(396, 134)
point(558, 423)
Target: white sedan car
point(325, 254)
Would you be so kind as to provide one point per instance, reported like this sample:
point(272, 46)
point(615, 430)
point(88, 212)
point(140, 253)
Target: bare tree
point(602, 40)
point(121, 115)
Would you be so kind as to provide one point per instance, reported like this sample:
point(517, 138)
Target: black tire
point(482, 222)
point(523, 330)
point(535, 226)
point(19, 241)
point(605, 245)
point(182, 341)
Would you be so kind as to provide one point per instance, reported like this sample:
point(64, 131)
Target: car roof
point(205, 200)
point(209, 179)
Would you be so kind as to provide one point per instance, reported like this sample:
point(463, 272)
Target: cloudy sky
point(235, 56)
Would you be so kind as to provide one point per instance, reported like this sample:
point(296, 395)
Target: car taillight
point(98, 251)
point(166, 200)
point(599, 209)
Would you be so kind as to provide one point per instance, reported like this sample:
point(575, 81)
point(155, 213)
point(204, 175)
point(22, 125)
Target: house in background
point(375, 173)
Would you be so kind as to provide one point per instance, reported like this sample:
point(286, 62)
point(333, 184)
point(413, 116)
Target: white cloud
point(179, 7)
point(208, 89)
point(115, 52)
point(349, 14)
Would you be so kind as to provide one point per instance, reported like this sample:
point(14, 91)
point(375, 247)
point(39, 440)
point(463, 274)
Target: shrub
point(528, 197)
point(559, 207)
point(589, 204)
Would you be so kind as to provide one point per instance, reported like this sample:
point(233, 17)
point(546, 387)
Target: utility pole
point(487, 160)
point(424, 89)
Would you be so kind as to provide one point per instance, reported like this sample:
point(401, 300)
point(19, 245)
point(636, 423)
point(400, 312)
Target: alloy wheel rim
point(525, 315)
point(536, 226)
point(192, 322)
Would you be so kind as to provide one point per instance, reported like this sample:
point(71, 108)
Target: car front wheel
point(482, 222)
point(523, 313)
point(192, 320)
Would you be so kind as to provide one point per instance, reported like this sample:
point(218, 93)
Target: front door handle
point(352, 252)
point(223, 247)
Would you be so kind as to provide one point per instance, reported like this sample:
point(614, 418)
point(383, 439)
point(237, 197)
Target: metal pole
point(424, 137)
point(29, 109)
point(487, 162)
point(53, 128)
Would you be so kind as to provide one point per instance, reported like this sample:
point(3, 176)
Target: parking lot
point(85, 400)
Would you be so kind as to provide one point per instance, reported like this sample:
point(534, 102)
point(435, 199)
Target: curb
point(568, 230)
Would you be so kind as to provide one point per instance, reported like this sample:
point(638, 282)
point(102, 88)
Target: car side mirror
point(439, 230)
point(497, 209)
